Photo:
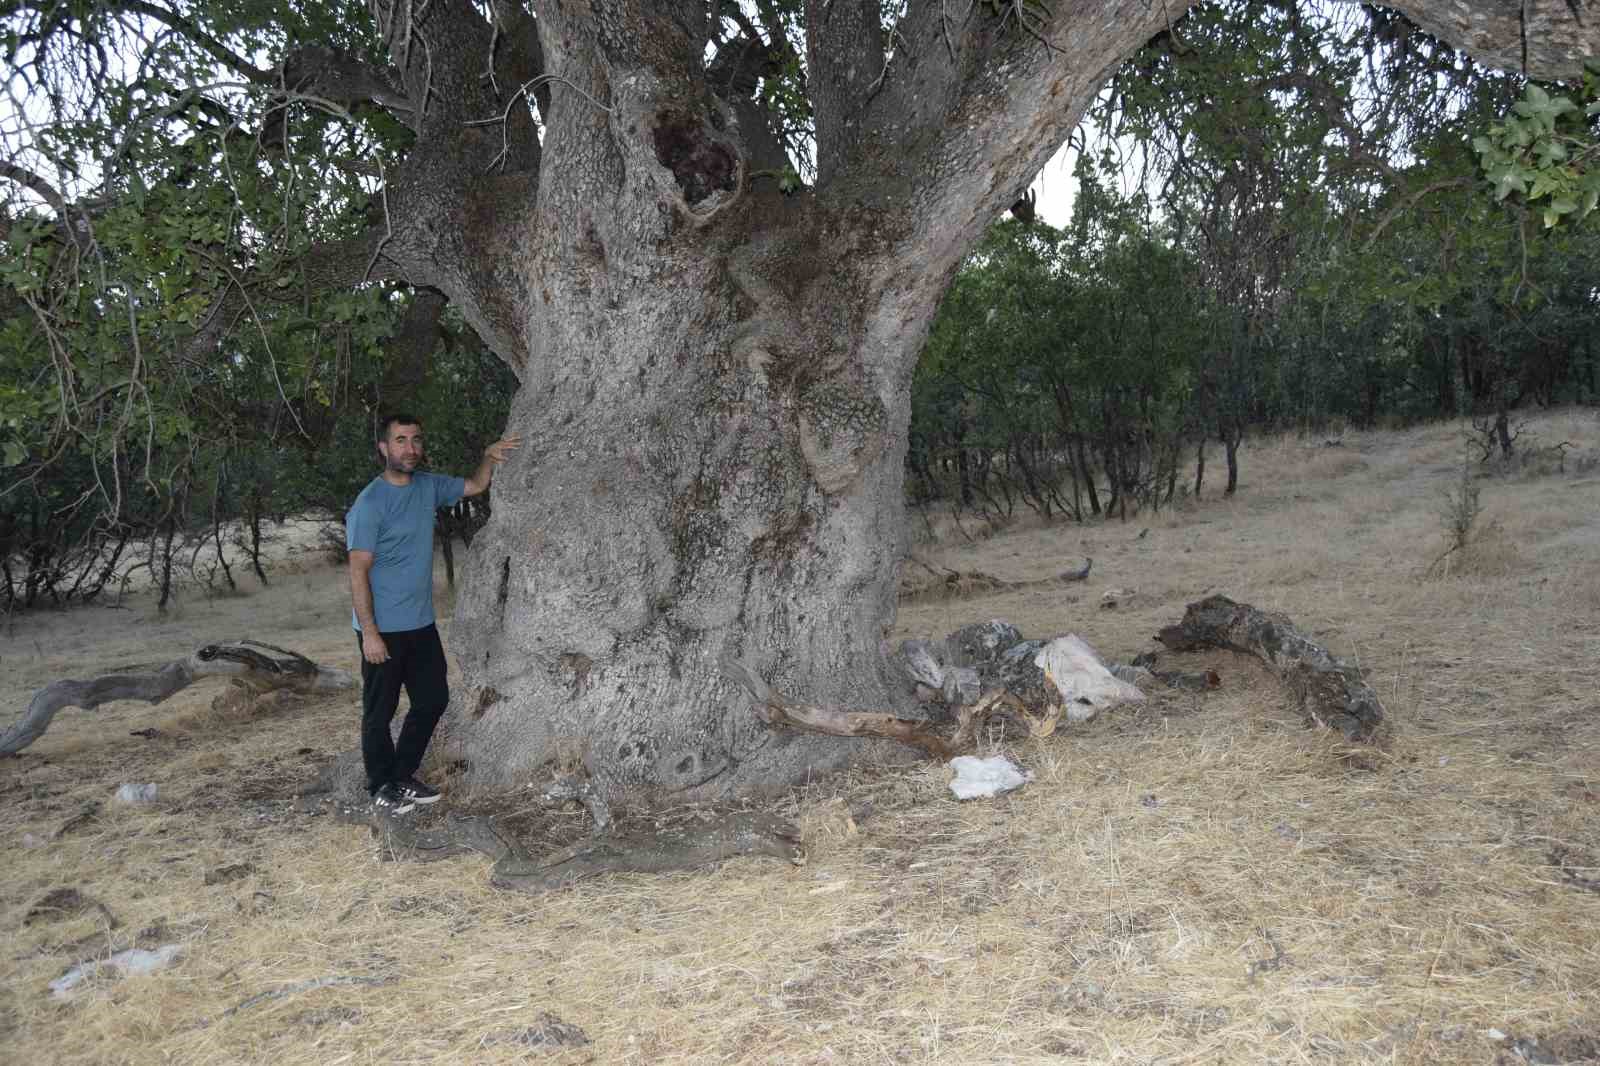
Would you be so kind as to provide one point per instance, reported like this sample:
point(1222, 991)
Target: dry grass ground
point(1196, 880)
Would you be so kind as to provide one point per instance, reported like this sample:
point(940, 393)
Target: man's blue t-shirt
point(395, 524)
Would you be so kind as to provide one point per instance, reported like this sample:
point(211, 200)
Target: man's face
point(402, 451)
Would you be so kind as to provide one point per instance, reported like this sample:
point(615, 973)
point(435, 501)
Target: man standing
point(389, 532)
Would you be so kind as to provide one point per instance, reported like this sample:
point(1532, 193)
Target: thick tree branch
point(329, 74)
point(975, 105)
point(35, 184)
point(329, 266)
point(406, 354)
point(734, 78)
point(845, 62)
point(518, 54)
point(735, 75)
point(451, 205)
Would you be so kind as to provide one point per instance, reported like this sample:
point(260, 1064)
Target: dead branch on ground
point(954, 584)
point(155, 683)
point(1331, 693)
point(778, 711)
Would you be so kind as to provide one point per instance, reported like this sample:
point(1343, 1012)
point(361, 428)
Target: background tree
point(1337, 257)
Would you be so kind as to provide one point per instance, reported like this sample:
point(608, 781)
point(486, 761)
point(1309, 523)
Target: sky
point(1056, 189)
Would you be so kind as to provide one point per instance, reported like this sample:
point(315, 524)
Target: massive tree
point(709, 239)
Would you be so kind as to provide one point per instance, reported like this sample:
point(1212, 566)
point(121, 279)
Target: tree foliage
point(197, 321)
point(1547, 151)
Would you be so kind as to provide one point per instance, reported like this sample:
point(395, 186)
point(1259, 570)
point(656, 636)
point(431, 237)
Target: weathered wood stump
point(1331, 693)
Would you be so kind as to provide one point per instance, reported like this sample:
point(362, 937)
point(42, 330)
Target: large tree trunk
point(713, 468)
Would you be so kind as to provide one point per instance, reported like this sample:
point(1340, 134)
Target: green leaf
point(1550, 153)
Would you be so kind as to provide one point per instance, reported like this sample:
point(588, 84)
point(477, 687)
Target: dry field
point(1199, 879)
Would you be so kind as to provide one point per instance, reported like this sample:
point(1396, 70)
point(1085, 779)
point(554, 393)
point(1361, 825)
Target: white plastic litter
point(1086, 686)
point(136, 794)
point(981, 778)
point(134, 962)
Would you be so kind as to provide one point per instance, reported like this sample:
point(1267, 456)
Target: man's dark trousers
point(416, 660)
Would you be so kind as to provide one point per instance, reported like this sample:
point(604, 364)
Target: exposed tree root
point(676, 847)
point(778, 711)
point(576, 787)
point(155, 683)
point(1331, 693)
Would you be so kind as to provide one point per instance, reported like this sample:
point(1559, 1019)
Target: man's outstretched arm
point(493, 456)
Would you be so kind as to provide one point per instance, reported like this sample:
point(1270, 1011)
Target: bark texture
point(716, 377)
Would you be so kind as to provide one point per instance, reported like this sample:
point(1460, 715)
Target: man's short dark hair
point(399, 418)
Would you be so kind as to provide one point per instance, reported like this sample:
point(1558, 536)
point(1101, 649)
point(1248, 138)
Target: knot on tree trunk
point(701, 163)
point(841, 433)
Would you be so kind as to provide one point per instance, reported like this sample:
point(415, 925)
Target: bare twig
point(503, 119)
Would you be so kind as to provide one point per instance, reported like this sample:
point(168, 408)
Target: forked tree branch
point(36, 184)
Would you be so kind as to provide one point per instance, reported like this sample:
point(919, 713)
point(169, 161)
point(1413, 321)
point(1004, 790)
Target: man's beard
point(404, 466)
